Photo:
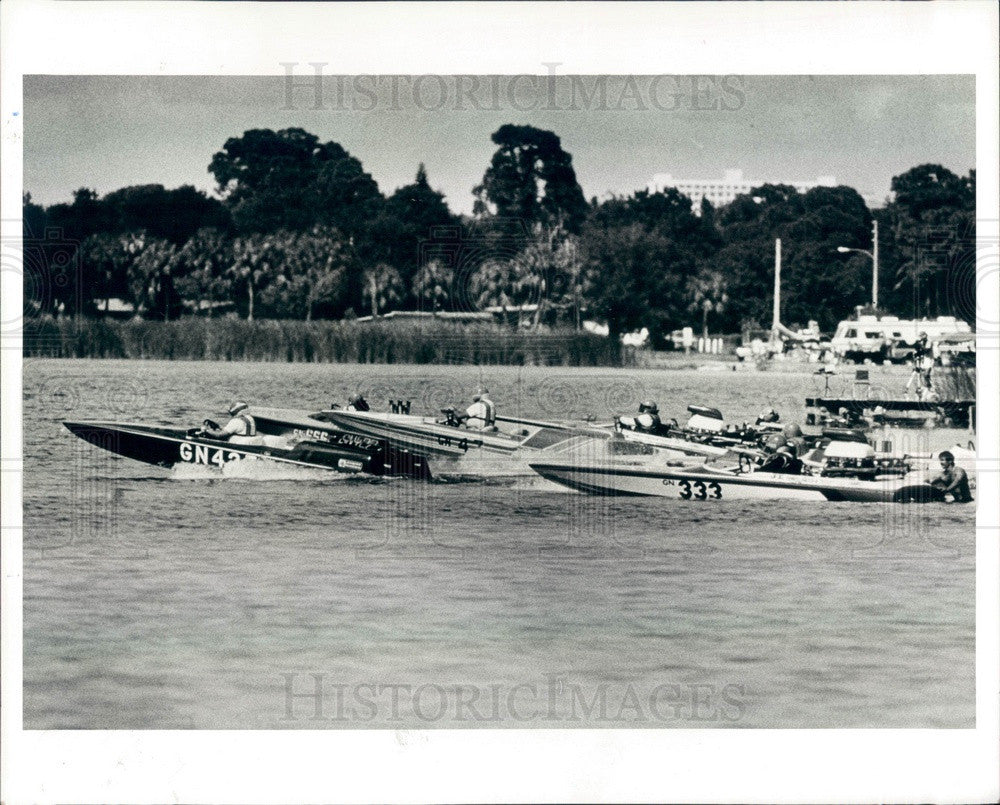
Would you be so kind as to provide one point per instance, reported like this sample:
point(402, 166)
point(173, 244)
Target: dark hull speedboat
point(336, 451)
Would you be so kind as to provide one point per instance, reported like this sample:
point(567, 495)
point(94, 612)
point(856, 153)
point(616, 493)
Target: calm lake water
point(155, 599)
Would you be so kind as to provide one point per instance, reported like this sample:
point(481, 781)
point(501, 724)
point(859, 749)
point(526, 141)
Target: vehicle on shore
point(879, 339)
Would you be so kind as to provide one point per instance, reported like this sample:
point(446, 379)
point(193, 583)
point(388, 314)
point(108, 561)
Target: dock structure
point(906, 412)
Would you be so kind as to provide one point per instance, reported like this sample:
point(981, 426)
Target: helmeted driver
point(240, 429)
point(784, 460)
point(649, 416)
point(482, 414)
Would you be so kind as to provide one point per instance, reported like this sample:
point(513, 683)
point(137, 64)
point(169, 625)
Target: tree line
point(300, 231)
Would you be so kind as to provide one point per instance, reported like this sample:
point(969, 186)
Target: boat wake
point(253, 471)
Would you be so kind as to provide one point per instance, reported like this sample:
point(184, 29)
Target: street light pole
point(873, 254)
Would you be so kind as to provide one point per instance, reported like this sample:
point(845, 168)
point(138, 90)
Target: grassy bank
point(318, 341)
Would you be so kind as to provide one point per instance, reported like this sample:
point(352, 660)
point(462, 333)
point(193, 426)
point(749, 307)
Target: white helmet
point(236, 407)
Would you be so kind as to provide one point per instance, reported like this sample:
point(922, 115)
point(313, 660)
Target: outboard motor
point(705, 419)
point(855, 458)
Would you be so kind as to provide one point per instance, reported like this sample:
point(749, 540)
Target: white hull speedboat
point(705, 483)
point(430, 437)
point(683, 446)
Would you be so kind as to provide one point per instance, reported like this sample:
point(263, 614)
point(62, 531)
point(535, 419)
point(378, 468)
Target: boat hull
point(167, 447)
point(707, 484)
point(683, 446)
point(427, 436)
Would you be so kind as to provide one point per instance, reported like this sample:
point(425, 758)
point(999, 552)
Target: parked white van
point(877, 339)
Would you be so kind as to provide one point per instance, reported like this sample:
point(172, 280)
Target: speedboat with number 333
point(707, 483)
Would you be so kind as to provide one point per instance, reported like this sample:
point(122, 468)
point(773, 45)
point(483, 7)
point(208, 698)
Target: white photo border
point(174, 38)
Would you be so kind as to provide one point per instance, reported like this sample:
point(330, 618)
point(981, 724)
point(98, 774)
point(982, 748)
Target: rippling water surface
point(162, 599)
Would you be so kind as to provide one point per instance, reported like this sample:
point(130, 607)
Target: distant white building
point(732, 184)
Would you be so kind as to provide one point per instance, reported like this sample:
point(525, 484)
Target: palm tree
point(383, 285)
point(433, 283)
point(708, 294)
point(496, 284)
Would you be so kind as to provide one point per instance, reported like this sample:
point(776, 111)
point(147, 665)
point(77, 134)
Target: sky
point(107, 132)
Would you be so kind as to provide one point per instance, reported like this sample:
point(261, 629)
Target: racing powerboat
point(841, 466)
point(323, 449)
point(447, 436)
point(704, 434)
point(707, 483)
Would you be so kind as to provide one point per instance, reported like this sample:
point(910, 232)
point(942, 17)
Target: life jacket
point(481, 414)
point(648, 422)
point(250, 425)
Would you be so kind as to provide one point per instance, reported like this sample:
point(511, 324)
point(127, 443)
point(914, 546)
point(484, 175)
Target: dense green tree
point(174, 215)
point(637, 278)
point(86, 215)
point(531, 179)
point(933, 225)
point(51, 278)
point(202, 269)
point(33, 218)
point(148, 265)
point(104, 265)
point(817, 282)
point(414, 219)
point(319, 269)
point(256, 261)
point(289, 179)
point(813, 270)
point(667, 212)
point(503, 283)
point(314, 238)
point(641, 251)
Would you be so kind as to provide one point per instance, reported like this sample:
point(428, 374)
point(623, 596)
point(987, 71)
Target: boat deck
point(961, 413)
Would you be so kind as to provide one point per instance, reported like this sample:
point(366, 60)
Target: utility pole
point(875, 264)
point(776, 317)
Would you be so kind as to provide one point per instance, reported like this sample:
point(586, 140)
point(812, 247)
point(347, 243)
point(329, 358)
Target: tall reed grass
point(318, 341)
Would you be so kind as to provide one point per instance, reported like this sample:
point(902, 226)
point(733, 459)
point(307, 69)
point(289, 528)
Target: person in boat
point(844, 419)
point(768, 416)
point(358, 403)
point(794, 437)
point(784, 460)
point(649, 417)
point(952, 480)
point(241, 428)
point(482, 414)
point(771, 441)
point(646, 421)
